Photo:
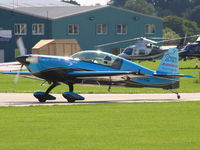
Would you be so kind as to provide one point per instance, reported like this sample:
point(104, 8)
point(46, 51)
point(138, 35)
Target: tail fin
point(169, 63)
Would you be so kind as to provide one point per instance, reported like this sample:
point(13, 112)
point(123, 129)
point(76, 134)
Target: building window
point(73, 29)
point(121, 29)
point(150, 28)
point(20, 29)
point(101, 29)
point(38, 29)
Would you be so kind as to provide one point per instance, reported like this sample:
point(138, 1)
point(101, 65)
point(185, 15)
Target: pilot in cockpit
point(107, 59)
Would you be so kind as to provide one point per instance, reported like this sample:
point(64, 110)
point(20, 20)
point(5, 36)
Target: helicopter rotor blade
point(178, 38)
point(117, 42)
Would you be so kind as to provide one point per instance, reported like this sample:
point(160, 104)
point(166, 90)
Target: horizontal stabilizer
point(173, 75)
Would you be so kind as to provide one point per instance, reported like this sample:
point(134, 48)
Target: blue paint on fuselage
point(48, 62)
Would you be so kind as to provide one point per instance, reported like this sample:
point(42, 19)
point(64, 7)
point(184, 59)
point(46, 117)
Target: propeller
point(22, 49)
point(16, 79)
point(23, 59)
point(20, 45)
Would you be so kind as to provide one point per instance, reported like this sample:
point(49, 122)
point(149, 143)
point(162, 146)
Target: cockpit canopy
point(99, 57)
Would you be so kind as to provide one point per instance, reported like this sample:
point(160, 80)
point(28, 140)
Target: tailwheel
point(175, 92)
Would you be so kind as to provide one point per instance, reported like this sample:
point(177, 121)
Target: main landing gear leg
point(178, 96)
point(71, 96)
point(71, 87)
point(43, 96)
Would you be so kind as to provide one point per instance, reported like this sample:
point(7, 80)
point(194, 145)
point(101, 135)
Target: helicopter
point(147, 49)
point(191, 50)
point(143, 49)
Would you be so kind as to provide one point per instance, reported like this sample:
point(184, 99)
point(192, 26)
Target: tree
point(181, 26)
point(170, 34)
point(117, 3)
point(171, 7)
point(193, 14)
point(195, 3)
point(141, 6)
point(71, 2)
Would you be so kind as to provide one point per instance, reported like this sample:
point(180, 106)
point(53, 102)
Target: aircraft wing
point(10, 66)
point(25, 74)
point(98, 73)
point(21, 73)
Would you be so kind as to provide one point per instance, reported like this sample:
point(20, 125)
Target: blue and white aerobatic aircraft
point(96, 67)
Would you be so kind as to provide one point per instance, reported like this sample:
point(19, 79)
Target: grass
point(30, 85)
point(140, 126)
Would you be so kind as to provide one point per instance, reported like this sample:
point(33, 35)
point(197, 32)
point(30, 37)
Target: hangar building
point(89, 25)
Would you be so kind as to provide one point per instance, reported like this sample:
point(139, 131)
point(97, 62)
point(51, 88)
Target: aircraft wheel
point(41, 96)
point(41, 100)
point(71, 100)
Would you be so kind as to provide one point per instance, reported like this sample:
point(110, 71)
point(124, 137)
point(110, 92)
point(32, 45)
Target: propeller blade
point(16, 79)
point(20, 45)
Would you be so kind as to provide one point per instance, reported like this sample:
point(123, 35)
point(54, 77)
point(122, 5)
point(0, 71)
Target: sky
point(91, 2)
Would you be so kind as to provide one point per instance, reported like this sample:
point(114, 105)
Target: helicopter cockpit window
point(149, 45)
point(128, 51)
point(98, 57)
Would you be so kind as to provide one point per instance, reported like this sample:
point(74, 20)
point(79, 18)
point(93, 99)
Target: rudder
point(170, 62)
